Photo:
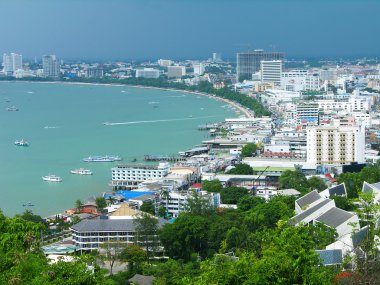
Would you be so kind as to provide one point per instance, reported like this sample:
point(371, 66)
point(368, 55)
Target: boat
point(134, 160)
point(21, 143)
point(81, 171)
point(52, 178)
point(29, 204)
point(107, 158)
point(12, 109)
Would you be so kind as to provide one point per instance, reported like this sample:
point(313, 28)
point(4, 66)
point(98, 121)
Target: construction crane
point(253, 190)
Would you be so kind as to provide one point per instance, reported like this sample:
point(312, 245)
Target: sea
point(64, 123)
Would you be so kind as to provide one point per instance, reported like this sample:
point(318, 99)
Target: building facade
point(147, 73)
point(51, 67)
point(335, 145)
point(94, 72)
point(11, 63)
point(307, 113)
point(249, 62)
point(271, 71)
point(129, 176)
point(176, 71)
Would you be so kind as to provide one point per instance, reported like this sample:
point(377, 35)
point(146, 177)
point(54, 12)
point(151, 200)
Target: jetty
point(208, 126)
point(149, 157)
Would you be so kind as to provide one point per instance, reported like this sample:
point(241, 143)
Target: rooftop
point(309, 198)
point(334, 217)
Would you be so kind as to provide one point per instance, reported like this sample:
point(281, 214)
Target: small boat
point(107, 158)
point(29, 204)
point(52, 178)
point(21, 143)
point(81, 171)
point(134, 160)
point(12, 109)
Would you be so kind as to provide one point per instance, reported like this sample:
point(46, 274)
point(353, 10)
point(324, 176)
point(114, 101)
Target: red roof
point(196, 185)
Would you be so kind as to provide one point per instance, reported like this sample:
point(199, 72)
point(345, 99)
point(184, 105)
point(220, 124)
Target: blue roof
point(132, 194)
point(330, 256)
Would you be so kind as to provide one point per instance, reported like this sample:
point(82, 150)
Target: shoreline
point(247, 113)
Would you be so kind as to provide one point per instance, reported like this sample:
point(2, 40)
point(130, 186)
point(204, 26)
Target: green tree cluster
point(248, 150)
point(241, 169)
point(296, 179)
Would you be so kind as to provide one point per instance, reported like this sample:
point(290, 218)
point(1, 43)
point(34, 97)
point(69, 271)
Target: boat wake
point(152, 102)
point(177, 96)
point(50, 127)
point(155, 121)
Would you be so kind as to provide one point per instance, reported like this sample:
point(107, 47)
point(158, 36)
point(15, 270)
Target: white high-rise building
point(11, 63)
point(176, 71)
point(335, 145)
point(299, 80)
point(51, 67)
point(199, 68)
point(216, 56)
point(271, 71)
point(147, 73)
point(164, 62)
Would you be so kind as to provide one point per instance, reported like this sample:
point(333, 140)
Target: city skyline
point(136, 30)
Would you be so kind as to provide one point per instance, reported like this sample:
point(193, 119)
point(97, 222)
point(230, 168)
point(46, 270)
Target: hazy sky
point(141, 29)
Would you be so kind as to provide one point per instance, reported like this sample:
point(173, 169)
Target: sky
point(188, 29)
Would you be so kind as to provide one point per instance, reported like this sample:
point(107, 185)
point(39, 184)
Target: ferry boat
point(12, 109)
point(107, 158)
point(21, 143)
point(81, 171)
point(52, 178)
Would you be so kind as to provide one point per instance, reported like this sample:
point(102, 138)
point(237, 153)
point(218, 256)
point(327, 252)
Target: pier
point(208, 126)
point(163, 158)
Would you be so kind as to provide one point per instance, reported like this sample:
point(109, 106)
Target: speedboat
point(81, 171)
point(12, 108)
point(29, 204)
point(52, 178)
point(21, 143)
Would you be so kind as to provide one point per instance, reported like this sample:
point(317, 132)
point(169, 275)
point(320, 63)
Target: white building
point(176, 71)
point(271, 71)
point(147, 73)
point(299, 80)
point(199, 68)
point(164, 62)
point(129, 176)
point(11, 63)
point(335, 144)
point(307, 113)
point(353, 103)
point(51, 66)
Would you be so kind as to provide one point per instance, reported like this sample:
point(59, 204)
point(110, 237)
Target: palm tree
point(78, 205)
point(165, 195)
point(111, 200)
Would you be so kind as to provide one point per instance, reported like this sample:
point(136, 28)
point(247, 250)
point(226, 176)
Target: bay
point(63, 123)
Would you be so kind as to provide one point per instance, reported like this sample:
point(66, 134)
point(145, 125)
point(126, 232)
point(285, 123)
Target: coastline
point(247, 113)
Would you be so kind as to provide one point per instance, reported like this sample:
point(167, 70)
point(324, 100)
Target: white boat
point(81, 171)
point(52, 178)
point(21, 143)
point(12, 109)
point(107, 158)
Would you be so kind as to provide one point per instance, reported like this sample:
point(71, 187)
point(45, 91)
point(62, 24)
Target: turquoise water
point(75, 115)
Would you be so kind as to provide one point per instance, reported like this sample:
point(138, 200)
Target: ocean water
point(64, 123)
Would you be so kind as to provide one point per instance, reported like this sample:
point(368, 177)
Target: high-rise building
point(199, 68)
point(164, 62)
point(335, 144)
point(307, 113)
point(176, 71)
point(271, 71)
point(299, 80)
point(216, 56)
point(11, 63)
point(249, 62)
point(94, 72)
point(147, 73)
point(51, 67)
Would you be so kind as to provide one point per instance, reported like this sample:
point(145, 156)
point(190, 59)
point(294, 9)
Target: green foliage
point(212, 185)
point(146, 227)
point(101, 203)
point(242, 168)
point(161, 212)
point(248, 150)
point(294, 179)
point(316, 183)
point(343, 203)
point(28, 215)
point(78, 205)
point(148, 207)
point(231, 195)
point(135, 256)
point(198, 205)
point(246, 203)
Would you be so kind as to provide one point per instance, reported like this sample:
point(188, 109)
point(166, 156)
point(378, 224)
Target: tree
point(316, 183)
point(112, 252)
point(212, 186)
point(101, 203)
point(28, 215)
point(78, 205)
point(343, 203)
point(196, 204)
point(148, 207)
point(231, 195)
point(247, 202)
point(146, 227)
point(248, 150)
point(161, 212)
point(241, 168)
point(293, 179)
point(135, 256)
